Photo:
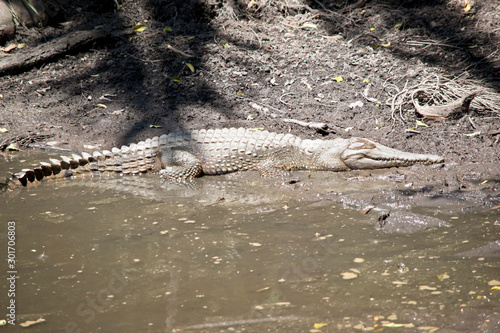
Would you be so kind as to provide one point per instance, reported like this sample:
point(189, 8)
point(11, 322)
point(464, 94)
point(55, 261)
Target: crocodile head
point(366, 154)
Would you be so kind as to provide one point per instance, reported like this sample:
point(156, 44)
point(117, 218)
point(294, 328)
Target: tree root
point(442, 97)
point(453, 110)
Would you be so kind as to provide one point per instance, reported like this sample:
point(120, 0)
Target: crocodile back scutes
point(239, 140)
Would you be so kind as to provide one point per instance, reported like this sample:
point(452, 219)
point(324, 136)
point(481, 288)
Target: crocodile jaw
point(367, 154)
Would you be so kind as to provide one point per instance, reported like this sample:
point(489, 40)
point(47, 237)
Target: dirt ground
point(210, 63)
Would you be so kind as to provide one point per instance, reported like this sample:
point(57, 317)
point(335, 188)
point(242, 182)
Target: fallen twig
point(282, 101)
point(317, 126)
point(431, 43)
point(182, 53)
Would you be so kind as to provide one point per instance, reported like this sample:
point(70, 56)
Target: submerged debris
point(239, 322)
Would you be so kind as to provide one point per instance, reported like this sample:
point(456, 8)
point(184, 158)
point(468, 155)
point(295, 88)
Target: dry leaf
point(356, 105)
point(410, 325)
point(424, 287)
point(309, 25)
point(473, 134)
point(32, 322)
point(191, 67)
point(336, 37)
point(8, 48)
point(349, 275)
point(467, 6)
point(443, 276)
point(140, 28)
point(12, 147)
point(421, 124)
point(54, 143)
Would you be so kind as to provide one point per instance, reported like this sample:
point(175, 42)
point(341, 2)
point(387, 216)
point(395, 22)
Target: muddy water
point(242, 254)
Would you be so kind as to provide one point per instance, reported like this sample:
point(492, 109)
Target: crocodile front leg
point(280, 162)
point(179, 165)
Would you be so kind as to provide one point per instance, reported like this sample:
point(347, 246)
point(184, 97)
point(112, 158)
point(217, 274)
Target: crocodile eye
point(356, 145)
point(362, 144)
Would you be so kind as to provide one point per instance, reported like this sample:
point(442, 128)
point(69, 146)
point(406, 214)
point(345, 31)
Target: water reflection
point(242, 254)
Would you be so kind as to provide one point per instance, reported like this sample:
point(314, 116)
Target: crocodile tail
point(64, 167)
point(133, 159)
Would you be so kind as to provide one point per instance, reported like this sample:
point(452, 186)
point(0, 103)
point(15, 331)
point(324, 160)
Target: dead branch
point(451, 110)
point(55, 49)
point(438, 90)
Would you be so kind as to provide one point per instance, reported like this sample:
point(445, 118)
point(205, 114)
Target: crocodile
point(184, 155)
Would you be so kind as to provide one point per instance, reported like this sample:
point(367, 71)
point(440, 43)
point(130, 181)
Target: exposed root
point(442, 97)
point(455, 109)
